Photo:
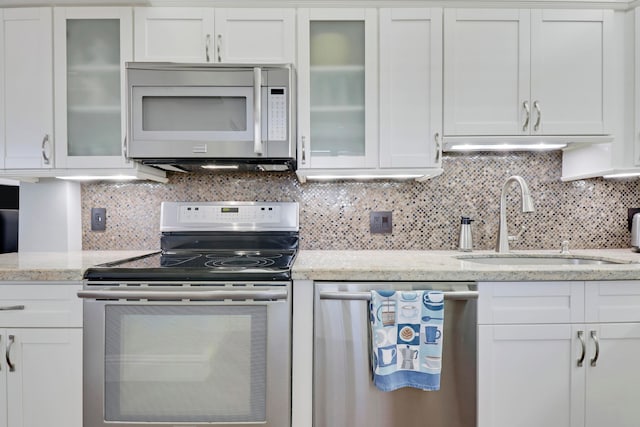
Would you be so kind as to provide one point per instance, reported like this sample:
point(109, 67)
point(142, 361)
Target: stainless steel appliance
point(211, 115)
point(635, 232)
point(198, 333)
point(344, 394)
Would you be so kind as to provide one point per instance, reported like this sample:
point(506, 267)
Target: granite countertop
point(383, 265)
point(56, 266)
point(443, 265)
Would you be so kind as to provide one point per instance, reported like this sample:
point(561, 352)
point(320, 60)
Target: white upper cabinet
point(410, 87)
point(369, 97)
point(486, 66)
point(243, 35)
point(255, 35)
point(570, 71)
point(520, 72)
point(91, 46)
point(26, 72)
point(337, 88)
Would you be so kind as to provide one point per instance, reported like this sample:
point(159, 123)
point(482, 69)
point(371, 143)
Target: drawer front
point(612, 301)
point(530, 302)
point(40, 304)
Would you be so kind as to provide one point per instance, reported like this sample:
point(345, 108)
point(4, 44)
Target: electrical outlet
point(98, 219)
point(380, 222)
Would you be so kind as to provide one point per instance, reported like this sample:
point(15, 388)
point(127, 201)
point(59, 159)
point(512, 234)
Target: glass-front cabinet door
point(91, 46)
point(337, 84)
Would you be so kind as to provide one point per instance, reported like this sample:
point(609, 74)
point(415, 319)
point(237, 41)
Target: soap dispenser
point(466, 242)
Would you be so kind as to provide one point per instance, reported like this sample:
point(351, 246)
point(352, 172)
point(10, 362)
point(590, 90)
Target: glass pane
point(196, 113)
point(337, 88)
point(185, 364)
point(93, 87)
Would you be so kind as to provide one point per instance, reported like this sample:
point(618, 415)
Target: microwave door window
point(175, 364)
point(193, 114)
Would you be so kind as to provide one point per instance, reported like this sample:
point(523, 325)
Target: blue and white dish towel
point(406, 329)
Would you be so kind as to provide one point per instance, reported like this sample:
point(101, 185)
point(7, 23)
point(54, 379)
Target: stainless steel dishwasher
point(344, 394)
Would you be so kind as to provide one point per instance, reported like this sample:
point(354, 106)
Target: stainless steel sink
point(516, 259)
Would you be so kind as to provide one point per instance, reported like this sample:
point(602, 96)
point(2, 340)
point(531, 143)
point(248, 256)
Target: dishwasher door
point(344, 394)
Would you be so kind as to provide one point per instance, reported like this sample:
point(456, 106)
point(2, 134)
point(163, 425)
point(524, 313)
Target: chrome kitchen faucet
point(502, 245)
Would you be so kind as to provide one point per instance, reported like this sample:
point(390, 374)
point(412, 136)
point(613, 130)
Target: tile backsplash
point(426, 215)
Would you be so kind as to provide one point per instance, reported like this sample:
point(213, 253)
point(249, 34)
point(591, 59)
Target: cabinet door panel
point(337, 66)
point(531, 302)
point(617, 301)
point(569, 70)
point(26, 44)
point(173, 34)
point(45, 389)
point(612, 385)
point(3, 379)
point(528, 376)
point(92, 45)
point(410, 86)
point(255, 35)
point(486, 71)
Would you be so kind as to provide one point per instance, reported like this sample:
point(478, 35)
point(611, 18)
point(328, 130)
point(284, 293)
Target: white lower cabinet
point(543, 370)
point(41, 348)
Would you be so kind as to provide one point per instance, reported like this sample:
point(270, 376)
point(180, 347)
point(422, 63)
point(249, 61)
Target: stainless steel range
point(198, 333)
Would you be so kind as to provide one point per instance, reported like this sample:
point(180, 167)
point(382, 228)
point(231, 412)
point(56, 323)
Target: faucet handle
point(517, 236)
point(564, 247)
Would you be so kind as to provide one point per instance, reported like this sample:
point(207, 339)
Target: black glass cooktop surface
point(209, 265)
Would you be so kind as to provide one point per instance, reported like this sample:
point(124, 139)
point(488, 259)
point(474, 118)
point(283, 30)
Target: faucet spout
point(502, 245)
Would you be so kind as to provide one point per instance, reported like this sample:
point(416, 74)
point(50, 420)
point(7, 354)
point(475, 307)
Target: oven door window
point(168, 363)
point(193, 113)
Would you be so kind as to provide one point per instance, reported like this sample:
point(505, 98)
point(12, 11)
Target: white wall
point(49, 218)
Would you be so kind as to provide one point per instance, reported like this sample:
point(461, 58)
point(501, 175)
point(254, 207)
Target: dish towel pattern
point(406, 339)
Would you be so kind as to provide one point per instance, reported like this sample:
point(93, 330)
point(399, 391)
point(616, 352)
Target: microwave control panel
point(277, 106)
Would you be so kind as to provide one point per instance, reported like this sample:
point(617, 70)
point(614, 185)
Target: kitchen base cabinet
point(528, 376)
point(44, 387)
point(41, 348)
point(573, 365)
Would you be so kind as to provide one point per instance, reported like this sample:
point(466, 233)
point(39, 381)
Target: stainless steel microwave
point(216, 115)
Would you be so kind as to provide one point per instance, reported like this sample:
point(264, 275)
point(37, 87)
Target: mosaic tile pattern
point(335, 215)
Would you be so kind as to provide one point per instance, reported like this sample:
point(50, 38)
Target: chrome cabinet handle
point(207, 44)
point(219, 47)
point(124, 147)
point(436, 138)
point(304, 150)
point(12, 367)
point(594, 336)
point(257, 110)
point(45, 140)
point(525, 105)
point(536, 105)
point(12, 307)
point(583, 347)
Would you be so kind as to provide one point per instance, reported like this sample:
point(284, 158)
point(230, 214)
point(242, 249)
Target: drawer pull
point(11, 366)
point(597, 341)
point(583, 346)
point(12, 308)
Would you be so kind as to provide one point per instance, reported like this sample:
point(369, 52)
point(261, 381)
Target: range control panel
point(222, 216)
point(193, 214)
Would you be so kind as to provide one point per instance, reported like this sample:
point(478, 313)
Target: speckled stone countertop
point(56, 266)
point(445, 265)
point(380, 265)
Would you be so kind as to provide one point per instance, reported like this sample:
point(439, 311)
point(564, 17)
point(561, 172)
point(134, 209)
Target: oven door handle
point(278, 294)
point(366, 296)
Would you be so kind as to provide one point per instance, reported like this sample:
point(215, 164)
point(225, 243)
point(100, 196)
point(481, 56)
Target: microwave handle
point(257, 110)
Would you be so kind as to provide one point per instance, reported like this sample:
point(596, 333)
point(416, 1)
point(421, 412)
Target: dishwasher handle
point(366, 296)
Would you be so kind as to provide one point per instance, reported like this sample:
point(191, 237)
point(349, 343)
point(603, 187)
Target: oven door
point(206, 355)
